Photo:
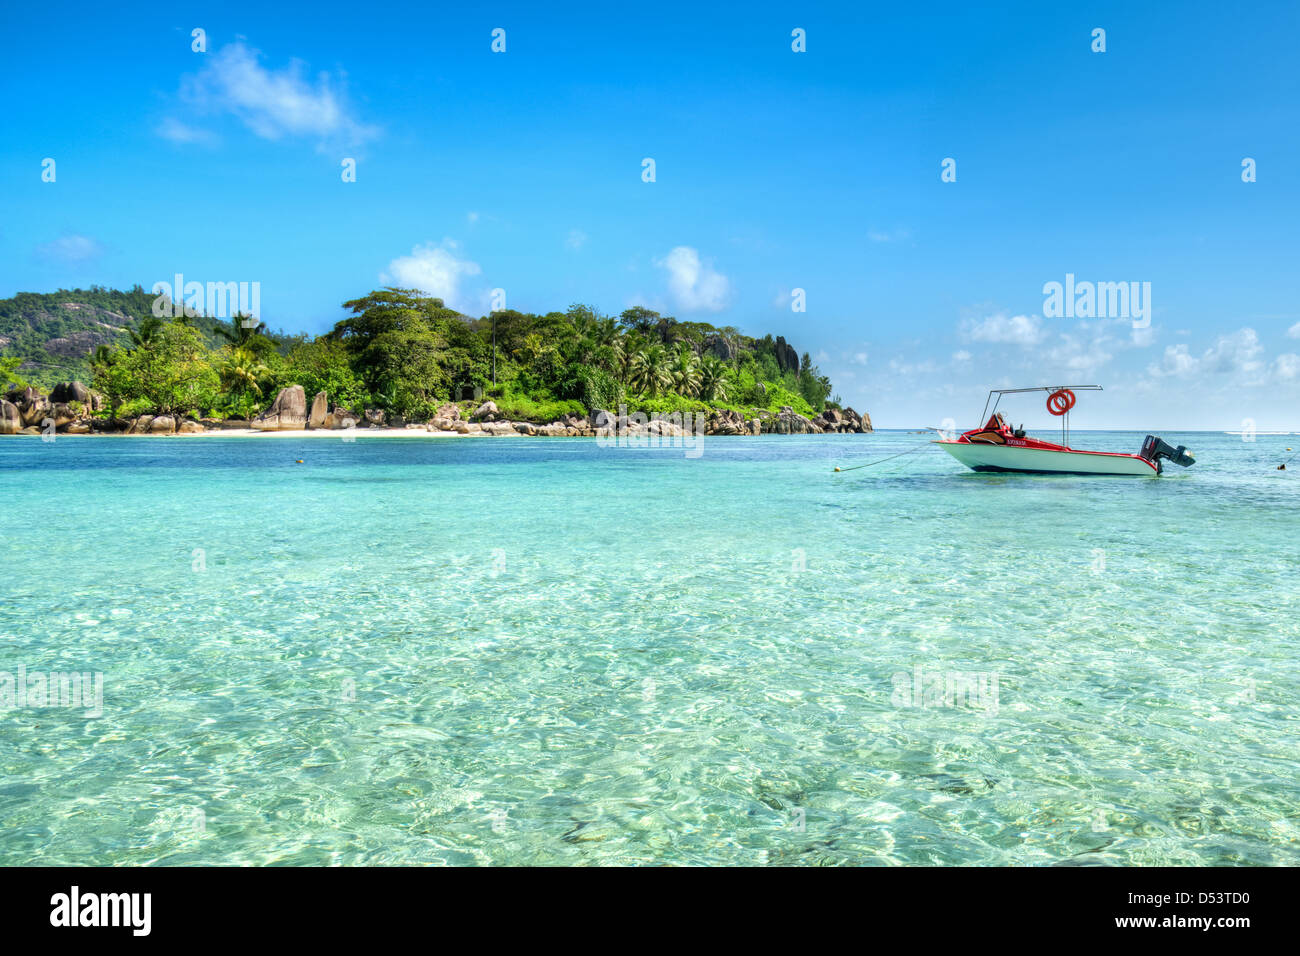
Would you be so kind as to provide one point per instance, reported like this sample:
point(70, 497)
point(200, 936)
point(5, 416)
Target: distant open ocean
point(541, 651)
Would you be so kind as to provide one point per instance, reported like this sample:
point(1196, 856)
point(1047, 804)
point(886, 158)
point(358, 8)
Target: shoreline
point(31, 413)
point(353, 434)
point(344, 434)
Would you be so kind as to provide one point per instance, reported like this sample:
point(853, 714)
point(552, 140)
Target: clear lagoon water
point(541, 651)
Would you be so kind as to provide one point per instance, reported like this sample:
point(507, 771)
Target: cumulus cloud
point(1177, 361)
point(1077, 353)
point(1287, 367)
point(693, 283)
point(1003, 329)
point(1294, 331)
point(1143, 337)
point(436, 270)
point(70, 250)
point(272, 103)
point(1235, 354)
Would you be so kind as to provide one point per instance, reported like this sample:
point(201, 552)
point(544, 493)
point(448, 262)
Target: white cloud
point(1287, 367)
point(859, 358)
point(1177, 361)
point(1235, 354)
point(272, 103)
point(1079, 347)
point(178, 132)
point(434, 270)
point(1003, 329)
point(71, 249)
point(1294, 331)
point(576, 239)
point(903, 367)
point(693, 283)
point(1078, 354)
point(471, 217)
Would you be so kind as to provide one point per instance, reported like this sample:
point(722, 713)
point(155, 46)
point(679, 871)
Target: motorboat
point(996, 446)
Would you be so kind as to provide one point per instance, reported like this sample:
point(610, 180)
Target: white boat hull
point(981, 457)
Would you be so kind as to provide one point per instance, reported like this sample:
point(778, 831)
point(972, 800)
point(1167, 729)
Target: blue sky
point(775, 171)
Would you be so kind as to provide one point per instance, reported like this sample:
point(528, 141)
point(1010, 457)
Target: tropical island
point(401, 360)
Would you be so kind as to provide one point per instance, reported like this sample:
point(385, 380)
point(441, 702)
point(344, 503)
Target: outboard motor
point(1153, 449)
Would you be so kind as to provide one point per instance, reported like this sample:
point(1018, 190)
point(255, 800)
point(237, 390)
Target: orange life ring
point(1060, 401)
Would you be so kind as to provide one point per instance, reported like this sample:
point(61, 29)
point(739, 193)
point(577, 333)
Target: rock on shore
point(11, 420)
point(68, 404)
point(27, 411)
point(287, 413)
point(320, 407)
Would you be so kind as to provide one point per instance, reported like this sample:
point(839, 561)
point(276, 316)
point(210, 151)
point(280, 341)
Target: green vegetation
point(56, 334)
point(9, 372)
point(404, 352)
point(171, 370)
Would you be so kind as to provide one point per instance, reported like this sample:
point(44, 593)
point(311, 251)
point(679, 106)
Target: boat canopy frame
point(1065, 419)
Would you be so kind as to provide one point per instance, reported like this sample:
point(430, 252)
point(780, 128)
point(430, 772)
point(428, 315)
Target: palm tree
point(632, 343)
point(583, 320)
point(649, 370)
point(242, 328)
point(537, 353)
point(685, 372)
point(144, 334)
point(714, 380)
point(607, 345)
point(242, 376)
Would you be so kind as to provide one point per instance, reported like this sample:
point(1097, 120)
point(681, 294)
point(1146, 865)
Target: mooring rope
point(890, 458)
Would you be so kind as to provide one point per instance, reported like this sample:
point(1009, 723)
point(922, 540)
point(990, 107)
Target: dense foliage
point(55, 334)
point(407, 353)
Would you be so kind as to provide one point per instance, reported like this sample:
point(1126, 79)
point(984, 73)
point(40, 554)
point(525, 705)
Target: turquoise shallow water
point(541, 651)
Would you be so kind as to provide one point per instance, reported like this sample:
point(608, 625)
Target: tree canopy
point(408, 353)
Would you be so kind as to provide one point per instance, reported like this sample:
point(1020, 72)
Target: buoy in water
point(297, 461)
point(837, 468)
